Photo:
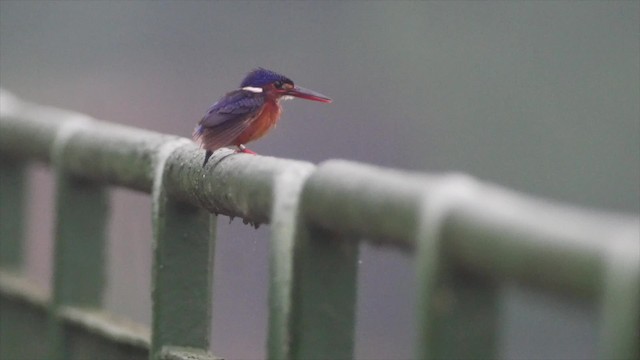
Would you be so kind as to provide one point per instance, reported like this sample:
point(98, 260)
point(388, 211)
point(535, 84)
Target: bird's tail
point(197, 134)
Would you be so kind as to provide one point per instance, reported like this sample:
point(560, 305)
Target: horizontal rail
point(452, 223)
point(124, 156)
point(181, 353)
point(20, 289)
point(239, 185)
point(107, 326)
point(514, 236)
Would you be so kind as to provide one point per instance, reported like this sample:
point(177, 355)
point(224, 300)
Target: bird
point(248, 113)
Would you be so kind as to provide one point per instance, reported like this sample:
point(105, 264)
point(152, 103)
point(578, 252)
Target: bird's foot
point(243, 149)
point(207, 155)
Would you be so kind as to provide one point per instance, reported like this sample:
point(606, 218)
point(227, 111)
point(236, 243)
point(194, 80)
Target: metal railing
point(467, 237)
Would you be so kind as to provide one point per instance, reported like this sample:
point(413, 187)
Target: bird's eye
point(278, 85)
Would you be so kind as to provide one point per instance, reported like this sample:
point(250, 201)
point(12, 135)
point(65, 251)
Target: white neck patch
point(256, 90)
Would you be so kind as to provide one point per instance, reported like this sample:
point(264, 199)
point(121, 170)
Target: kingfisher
point(248, 113)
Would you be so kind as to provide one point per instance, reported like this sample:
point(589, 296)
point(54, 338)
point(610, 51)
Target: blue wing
point(227, 118)
point(234, 106)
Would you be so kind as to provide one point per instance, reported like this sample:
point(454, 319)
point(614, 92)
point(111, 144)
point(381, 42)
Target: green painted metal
point(185, 353)
point(82, 214)
point(288, 186)
point(184, 241)
point(23, 330)
point(620, 300)
point(115, 154)
point(434, 292)
point(324, 278)
point(81, 224)
point(25, 326)
point(231, 184)
point(23, 318)
point(324, 295)
point(468, 238)
point(95, 334)
point(12, 213)
point(29, 130)
point(376, 204)
point(457, 310)
point(83, 345)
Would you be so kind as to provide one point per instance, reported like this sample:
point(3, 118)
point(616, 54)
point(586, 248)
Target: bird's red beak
point(303, 93)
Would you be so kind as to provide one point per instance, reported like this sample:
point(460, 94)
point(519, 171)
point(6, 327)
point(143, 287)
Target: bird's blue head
point(278, 86)
point(261, 77)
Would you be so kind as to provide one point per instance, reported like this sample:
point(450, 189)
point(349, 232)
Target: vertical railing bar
point(429, 269)
point(79, 247)
point(287, 189)
point(325, 268)
point(457, 312)
point(184, 240)
point(620, 299)
point(324, 295)
point(13, 195)
point(13, 184)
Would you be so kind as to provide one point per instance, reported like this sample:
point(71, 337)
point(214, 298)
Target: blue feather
point(261, 77)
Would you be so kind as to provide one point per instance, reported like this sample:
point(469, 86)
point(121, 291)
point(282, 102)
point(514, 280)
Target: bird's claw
point(244, 150)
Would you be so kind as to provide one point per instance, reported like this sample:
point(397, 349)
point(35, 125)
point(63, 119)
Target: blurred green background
point(541, 97)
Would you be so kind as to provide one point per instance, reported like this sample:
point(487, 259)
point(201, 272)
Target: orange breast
point(261, 125)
